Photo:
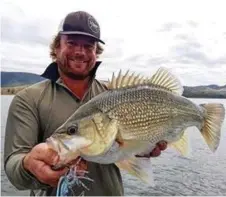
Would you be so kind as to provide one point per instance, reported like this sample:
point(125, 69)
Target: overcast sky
point(188, 37)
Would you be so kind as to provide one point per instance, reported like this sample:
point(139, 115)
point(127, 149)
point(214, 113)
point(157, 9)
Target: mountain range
point(12, 79)
point(9, 79)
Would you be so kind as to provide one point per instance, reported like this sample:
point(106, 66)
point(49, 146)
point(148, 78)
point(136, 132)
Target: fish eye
point(72, 129)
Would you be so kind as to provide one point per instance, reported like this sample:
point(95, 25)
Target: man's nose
point(79, 50)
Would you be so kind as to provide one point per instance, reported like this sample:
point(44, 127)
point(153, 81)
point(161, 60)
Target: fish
point(131, 117)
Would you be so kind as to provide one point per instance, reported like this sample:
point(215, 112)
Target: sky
point(188, 37)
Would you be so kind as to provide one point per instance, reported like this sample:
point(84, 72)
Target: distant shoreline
point(12, 90)
point(13, 82)
point(187, 93)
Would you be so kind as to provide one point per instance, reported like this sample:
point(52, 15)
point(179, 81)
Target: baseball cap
point(80, 23)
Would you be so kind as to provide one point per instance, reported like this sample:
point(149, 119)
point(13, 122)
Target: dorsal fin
point(126, 80)
point(119, 79)
point(164, 78)
point(161, 79)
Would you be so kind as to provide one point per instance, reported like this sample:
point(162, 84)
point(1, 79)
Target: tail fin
point(213, 120)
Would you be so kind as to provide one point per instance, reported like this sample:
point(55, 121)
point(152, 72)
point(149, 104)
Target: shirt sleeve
point(21, 135)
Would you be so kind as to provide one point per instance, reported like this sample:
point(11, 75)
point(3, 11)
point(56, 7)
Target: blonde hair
point(56, 43)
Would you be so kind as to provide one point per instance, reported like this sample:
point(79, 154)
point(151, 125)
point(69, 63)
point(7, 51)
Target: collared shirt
point(34, 114)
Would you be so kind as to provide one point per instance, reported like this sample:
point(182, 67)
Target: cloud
point(24, 57)
point(192, 24)
point(189, 52)
point(24, 32)
point(18, 28)
point(192, 53)
point(141, 37)
point(113, 48)
point(169, 27)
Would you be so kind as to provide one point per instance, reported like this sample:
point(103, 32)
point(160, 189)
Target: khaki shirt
point(34, 114)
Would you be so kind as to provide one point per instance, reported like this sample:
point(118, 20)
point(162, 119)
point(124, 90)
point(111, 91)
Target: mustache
point(77, 58)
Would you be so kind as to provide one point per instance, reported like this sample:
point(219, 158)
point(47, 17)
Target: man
point(37, 111)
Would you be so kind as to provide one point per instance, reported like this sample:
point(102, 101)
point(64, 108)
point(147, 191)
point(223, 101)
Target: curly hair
point(56, 43)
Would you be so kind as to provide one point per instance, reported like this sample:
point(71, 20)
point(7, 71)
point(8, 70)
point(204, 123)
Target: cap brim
point(81, 33)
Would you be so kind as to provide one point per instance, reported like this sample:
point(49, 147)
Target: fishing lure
point(70, 179)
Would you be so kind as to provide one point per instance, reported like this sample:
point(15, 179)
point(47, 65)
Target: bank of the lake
point(190, 92)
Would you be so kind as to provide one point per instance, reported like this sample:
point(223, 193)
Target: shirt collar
point(52, 73)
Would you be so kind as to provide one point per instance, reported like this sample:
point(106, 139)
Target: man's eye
point(71, 43)
point(89, 46)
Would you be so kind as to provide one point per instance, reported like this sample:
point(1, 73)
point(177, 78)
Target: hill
point(12, 82)
point(10, 79)
point(210, 91)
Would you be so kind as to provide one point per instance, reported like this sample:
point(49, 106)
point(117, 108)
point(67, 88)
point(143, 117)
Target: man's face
point(76, 55)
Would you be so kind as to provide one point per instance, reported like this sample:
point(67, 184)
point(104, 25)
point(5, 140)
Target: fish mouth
point(52, 143)
point(68, 149)
point(63, 144)
point(58, 146)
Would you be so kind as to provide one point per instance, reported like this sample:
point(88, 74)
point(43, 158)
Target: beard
point(66, 69)
point(74, 76)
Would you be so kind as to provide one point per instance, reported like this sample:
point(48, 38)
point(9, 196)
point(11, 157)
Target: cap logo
point(93, 25)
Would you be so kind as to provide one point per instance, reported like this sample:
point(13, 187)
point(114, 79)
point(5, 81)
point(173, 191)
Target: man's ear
point(57, 50)
point(57, 46)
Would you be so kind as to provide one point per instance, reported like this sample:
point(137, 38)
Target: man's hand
point(39, 161)
point(160, 146)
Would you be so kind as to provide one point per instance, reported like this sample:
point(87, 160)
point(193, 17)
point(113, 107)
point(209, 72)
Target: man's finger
point(44, 153)
point(48, 176)
point(54, 174)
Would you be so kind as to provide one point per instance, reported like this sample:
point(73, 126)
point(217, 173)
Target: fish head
point(91, 136)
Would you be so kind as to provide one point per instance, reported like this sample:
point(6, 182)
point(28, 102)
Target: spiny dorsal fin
point(164, 78)
point(161, 79)
point(131, 78)
point(119, 79)
point(126, 80)
point(112, 83)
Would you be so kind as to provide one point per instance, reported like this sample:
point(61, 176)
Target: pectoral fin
point(138, 167)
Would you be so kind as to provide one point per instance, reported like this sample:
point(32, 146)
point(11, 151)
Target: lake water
point(203, 173)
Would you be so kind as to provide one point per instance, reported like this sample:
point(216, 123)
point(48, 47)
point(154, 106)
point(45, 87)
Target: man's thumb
point(46, 154)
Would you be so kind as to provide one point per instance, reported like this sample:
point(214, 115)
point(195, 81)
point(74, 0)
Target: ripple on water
point(203, 173)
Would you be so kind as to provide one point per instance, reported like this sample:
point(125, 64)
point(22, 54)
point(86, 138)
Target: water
point(202, 174)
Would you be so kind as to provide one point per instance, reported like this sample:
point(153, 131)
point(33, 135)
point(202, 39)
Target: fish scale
point(143, 104)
